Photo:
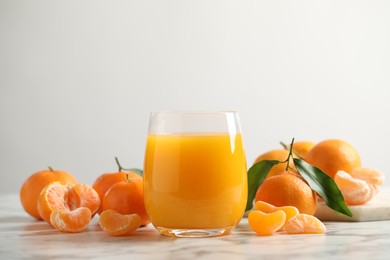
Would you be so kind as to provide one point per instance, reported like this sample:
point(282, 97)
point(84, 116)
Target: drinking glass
point(195, 180)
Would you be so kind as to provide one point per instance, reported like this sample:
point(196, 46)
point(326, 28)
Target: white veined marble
point(23, 237)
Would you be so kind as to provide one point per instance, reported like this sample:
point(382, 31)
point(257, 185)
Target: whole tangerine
point(334, 155)
point(32, 187)
point(288, 189)
point(126, 197)
point(106, 180)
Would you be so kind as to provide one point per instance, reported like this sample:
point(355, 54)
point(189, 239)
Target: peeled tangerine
point(265, 207)
point(374, 178)
point(56, 196)
point(360, 186)
point(267, 219)
point(304, 224)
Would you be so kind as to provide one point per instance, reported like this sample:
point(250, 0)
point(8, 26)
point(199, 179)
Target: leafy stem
point(290, 155)
point(121, 169)
point(291, 149)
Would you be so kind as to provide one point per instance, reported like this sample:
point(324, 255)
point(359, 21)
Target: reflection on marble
point(24, 237)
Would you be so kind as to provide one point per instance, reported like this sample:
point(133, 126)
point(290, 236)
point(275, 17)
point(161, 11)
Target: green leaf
point(137, 171)
point(256, 175)
point(324, 185)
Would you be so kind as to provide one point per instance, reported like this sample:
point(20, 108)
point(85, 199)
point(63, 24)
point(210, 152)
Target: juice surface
point(195, 180)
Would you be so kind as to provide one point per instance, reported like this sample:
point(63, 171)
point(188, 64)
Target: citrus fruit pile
point(337, 158)
point(284, 200)
point(284, 187)
point(57, 198)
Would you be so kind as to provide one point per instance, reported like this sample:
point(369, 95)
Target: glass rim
point(195, 112)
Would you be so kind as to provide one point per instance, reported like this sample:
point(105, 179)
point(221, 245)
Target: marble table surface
point(22, 237)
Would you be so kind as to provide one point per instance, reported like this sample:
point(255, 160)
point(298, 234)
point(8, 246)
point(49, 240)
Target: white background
point(78, 79)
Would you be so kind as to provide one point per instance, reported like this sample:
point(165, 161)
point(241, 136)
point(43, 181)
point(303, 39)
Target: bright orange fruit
point(265, 207)
point(266, 224)
point(56, 196)
point(106, 180)
point(288, 189)
point(304, 224)
point(116, 224)
point(333, 155)
point(127, 197)
point(32, 187)
point(73, 221)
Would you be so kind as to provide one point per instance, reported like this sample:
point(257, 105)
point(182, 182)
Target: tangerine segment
point(56, 196)
point(305, 224)
point(374, 178)
point(355, 191)
point(52, 197)
point(116, 224)
point(85, 196)
point(265, 224)
point(371, 176)
point(265, 207)
point(71, 221)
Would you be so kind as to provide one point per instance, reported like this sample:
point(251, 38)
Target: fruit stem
point(121, 169)
point(50, 168)
point(290, 153)
point(119, 165)
point(294, 151)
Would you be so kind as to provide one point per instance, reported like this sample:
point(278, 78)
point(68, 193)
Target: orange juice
point(195, 181)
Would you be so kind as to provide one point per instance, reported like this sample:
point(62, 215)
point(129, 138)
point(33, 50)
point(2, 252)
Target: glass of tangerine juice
point(195, 176)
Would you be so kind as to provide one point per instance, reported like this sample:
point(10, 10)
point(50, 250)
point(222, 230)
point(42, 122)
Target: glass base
point(194, 232)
